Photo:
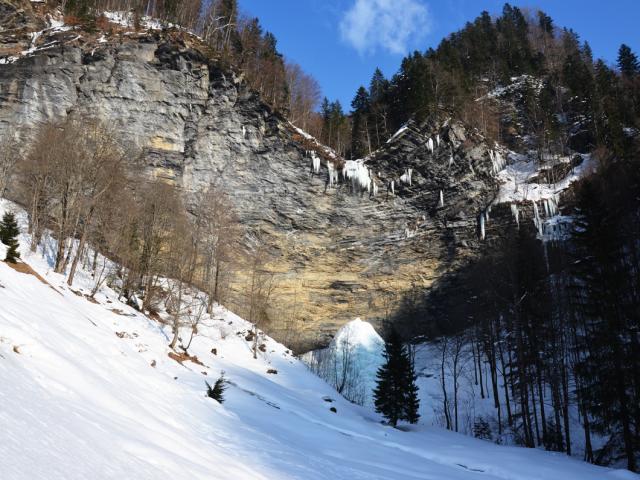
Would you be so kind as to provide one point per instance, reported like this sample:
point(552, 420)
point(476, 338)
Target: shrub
point(217, 391)
point(482, 429)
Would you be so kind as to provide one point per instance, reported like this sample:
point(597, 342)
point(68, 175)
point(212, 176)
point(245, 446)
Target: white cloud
point(391, 25)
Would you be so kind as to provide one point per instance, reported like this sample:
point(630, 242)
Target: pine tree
point(412, 402)
point(360, 144)
point(628, 61)
point(396, 393)
point(217, 391)
point(606, 236)
point(9, 236)
point(545, 22)
point(378, 93)
point(336, 129)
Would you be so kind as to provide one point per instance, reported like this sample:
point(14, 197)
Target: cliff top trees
point(336, 130)
point(236, 40)
point(378, 99)
point(396, 394)
point(628, 61)
point(181, 12)
point(360, 139)
point(304, 96)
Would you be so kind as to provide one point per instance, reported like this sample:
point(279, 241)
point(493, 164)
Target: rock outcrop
point(340, 252)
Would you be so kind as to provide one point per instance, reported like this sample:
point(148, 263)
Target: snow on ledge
point(516, 175)
point(398, 134)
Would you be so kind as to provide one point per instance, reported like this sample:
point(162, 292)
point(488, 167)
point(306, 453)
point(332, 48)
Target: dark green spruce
point(396, 394)
point(9, 236)
point(217, 391)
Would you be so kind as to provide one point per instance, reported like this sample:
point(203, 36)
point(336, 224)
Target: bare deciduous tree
point(161, 214)
point(259, 289)
point(304, 96)
point(8, 158)
point(101, 169)
point(218, 236)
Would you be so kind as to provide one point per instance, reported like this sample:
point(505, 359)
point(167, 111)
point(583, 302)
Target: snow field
point(89, 391)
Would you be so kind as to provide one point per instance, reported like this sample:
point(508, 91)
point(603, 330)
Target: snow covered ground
point(88, 391)
point(360, 345)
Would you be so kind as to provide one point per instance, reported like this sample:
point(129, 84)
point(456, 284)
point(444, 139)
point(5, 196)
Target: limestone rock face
point(16, 15)
point(340, 252)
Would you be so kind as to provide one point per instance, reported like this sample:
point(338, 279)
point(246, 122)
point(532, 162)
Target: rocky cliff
point(349, 239)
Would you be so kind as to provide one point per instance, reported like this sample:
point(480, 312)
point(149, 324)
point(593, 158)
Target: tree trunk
point(480, 372)
point(444, 387)
point(81, 245)
point(535, 413)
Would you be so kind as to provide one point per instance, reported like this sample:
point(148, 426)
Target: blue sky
point(341, 42)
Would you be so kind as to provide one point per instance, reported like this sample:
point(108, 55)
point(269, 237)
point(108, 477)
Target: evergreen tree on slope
point(217, 391)
point(9, 236)
point(396, 393)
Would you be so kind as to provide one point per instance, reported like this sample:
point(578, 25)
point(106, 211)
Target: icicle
point(451, 161)
point(497, 161)
point(441, 202)
point(375, 187)
point(437, 140)
point(551, 206)
point(315, 159)
point(537, 221)
point(330, 169)
point(501, 162)
point(481, 221)
point(244, 132)
point(358, 173)
point(393, 188)
point(406, 176)
point(333, 174)
point(430, 145)
point(516, 213)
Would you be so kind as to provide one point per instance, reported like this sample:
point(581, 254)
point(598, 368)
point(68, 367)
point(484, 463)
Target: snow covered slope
point(88, 391)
